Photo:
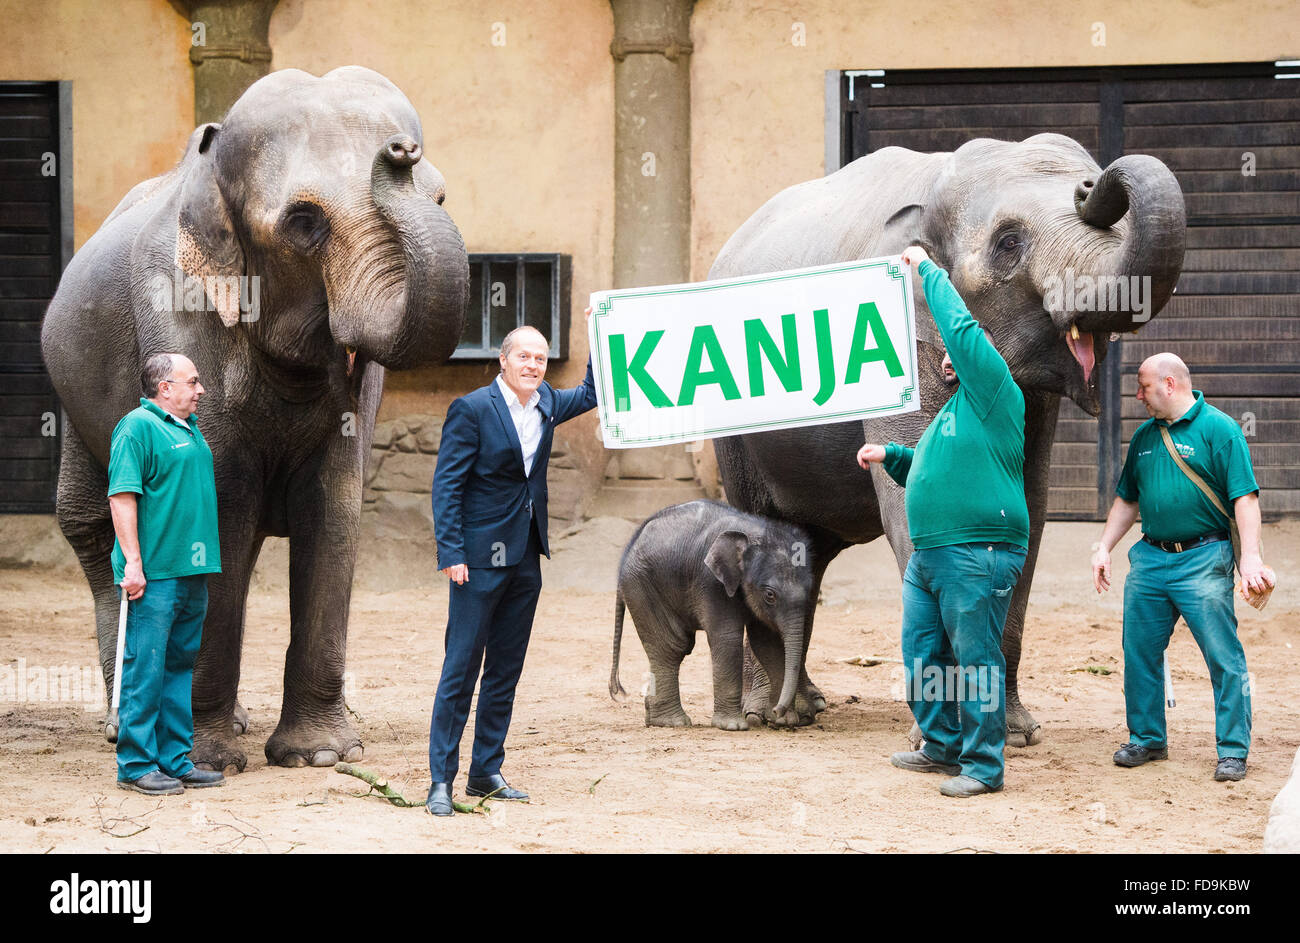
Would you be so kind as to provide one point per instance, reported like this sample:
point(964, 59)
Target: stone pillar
point(230, 52)
point(652, 212)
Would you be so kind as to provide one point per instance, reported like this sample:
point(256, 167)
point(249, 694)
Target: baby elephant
point(705, 565)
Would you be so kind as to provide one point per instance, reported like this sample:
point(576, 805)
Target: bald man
point(489, 513)
point(1183, 563)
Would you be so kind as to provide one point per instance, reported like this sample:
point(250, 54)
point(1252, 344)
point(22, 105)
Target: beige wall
point(758, 100)
point(523, 132)
point(132, 89)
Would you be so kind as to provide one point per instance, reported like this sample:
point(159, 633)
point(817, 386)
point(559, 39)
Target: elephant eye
point(769, 596)
point(305, 225)
point(1009, 242)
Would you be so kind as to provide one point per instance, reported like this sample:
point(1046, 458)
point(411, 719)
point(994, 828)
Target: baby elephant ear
point(723, 559)
point(207, 248)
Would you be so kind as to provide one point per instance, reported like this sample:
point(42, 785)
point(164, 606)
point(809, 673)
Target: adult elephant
point(298, 249)
point(1021, 228)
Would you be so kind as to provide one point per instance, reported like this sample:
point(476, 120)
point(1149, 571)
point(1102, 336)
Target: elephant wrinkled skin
point(308, 250)
point(1017, 225)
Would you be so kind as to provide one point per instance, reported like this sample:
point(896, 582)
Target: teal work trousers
point(1196, 584)
point(155, 719)
point(955, 602)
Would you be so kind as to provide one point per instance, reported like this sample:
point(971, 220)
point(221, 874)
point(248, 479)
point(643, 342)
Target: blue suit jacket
point(482, 500)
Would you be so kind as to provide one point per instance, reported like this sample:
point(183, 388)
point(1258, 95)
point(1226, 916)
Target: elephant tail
point(615, 686)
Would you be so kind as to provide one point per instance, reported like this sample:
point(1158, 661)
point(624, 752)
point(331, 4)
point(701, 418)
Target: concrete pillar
point(652, 212)
point(229, 52)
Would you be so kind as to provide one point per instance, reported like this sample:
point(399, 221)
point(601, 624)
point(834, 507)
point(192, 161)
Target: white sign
point(676, 363)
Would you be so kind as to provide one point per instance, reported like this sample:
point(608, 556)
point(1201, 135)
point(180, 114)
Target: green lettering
point(704, 339)
point(621, 371)
point(825, 362)
point(758, 338)
point(860, 354)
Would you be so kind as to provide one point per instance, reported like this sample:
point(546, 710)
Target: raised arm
point(978, 365)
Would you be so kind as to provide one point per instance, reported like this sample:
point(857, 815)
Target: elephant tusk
point(1074, 332)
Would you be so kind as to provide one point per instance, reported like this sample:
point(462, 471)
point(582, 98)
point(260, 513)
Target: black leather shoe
point(439, 800)
point(1230, 770)
point(202, 778)
point(155, 783)
point(494, 786)
point(1130, 754)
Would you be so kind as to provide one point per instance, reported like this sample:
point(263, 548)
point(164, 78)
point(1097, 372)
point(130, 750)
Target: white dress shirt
point(528, 422)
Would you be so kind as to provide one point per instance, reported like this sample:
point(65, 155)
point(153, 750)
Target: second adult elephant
point(1051, 254)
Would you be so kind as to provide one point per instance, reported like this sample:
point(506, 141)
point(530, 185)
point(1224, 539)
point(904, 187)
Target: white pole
point(121, 652)
point(1169, 683)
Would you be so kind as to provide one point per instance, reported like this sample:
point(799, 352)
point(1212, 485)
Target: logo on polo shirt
point(1186, 451)
point(181, 445)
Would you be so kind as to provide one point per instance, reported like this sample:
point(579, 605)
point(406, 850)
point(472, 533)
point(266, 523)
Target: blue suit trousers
point(490, 619)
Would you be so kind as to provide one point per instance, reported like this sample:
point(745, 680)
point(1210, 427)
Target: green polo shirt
point(965, 479)
point(170, 468)
point(1213, 446)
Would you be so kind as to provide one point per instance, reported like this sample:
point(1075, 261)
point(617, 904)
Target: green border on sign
point(605, 307)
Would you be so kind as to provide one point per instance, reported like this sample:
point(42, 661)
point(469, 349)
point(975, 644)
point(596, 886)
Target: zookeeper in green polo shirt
point(967, 517)
point(163, 498)
point(1183, 563)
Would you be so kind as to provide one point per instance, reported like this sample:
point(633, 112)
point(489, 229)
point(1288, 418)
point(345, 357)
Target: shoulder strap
point(1187, 470)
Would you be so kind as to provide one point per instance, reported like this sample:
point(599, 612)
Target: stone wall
point(399, 480)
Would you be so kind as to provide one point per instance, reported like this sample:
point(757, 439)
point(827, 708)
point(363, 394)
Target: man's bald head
point(1169, 366)
point(1165, 386)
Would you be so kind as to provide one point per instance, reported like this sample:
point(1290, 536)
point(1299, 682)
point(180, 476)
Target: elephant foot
point(1022, 729)
point(239, 722)
point(313, 745)
point(218, 751)
point(110, 727)
point(730, 722)
point(676, 718)
point(814, 698)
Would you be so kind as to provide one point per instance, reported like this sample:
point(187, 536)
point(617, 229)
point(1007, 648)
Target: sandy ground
point(601, 781)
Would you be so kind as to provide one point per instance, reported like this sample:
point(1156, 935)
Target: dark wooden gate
point(1231, 134)
point(32, 252)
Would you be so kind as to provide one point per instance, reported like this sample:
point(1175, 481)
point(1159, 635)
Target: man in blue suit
point(489, 512)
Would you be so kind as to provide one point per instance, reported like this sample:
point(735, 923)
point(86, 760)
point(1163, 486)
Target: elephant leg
point(83, 516)
point(324, 514)
point(216, 669)
point(823, 552)
point(1041, 410)
point(239, 720)
point(757, 688)
point(663, 699)
point(769, 655)
point(726, 632)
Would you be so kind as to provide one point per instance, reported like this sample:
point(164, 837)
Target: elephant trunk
point(403, 311)
point(792, 635)
point(1147, 191)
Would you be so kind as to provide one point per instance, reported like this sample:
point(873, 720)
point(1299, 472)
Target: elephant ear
point(907, 227)
point(724, 559)
point(207, 248)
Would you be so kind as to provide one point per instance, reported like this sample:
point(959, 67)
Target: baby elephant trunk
point(792, 636)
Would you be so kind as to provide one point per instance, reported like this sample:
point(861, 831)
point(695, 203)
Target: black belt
point(1178, 546)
